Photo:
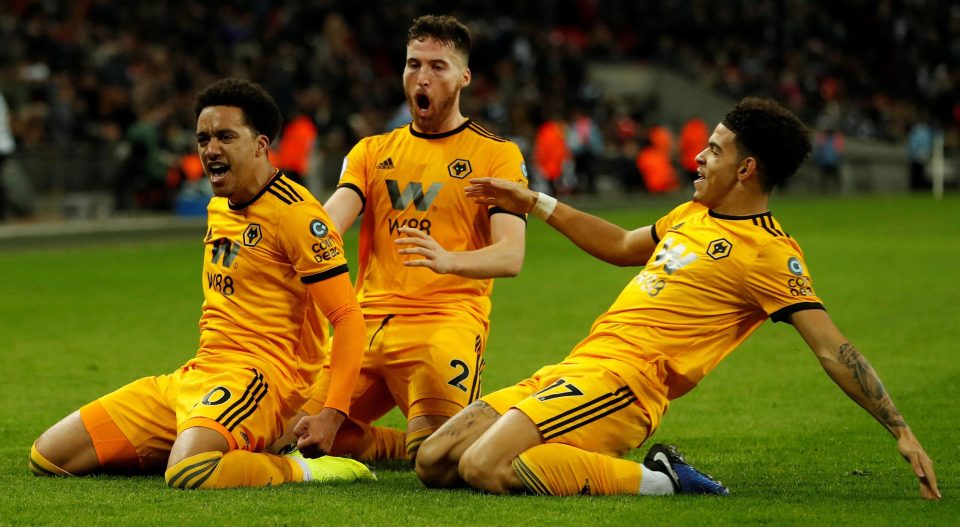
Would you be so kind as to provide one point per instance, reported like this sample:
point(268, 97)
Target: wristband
point(544, 206)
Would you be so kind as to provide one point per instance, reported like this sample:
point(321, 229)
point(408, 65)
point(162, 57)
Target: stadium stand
point(100, 92)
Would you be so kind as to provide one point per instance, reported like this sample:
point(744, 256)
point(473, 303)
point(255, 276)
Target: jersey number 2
point(457, 382)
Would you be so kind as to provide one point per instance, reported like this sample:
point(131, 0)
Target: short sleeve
point(508, 164)
point(673, 219)
point(311, 243)
point(353, 173)
point(779, 282)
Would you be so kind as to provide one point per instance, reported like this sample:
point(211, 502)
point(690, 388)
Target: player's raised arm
point(855, 376)
point(596, 236)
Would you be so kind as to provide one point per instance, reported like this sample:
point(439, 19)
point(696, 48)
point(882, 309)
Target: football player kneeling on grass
point(261, 334)
point(428, 255)
point(715, 269)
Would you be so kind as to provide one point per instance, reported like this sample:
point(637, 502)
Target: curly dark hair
point(260, 111)
point(445, 29)
point(771, 134)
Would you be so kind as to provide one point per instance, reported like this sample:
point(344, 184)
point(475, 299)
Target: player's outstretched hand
point(922, 466)
point(507, 195)
point(435, 257)
point(315, 433)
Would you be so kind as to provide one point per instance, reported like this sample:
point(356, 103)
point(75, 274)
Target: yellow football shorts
point(134, 427)
point(586, 405)
point(425, 364)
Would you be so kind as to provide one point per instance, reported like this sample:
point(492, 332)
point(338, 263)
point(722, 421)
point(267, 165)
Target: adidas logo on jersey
point(385, 165)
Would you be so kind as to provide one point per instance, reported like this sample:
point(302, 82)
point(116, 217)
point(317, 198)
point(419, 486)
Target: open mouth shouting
point(217, 171)
point(422, 103)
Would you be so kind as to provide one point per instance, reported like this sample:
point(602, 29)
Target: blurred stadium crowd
point(97, 72)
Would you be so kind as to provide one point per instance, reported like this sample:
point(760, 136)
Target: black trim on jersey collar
point(276, 175)
point(748, 217)
point(483, 132)
point(783, 315)
point(441, 135)
point(329, 273)
point(363, 200)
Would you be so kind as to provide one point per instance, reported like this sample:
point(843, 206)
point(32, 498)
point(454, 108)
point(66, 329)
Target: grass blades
point(77, 321)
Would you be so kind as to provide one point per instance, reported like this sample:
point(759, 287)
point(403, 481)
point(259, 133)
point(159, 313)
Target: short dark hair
point(445, 29)
point(771, 134)
point(260, 111)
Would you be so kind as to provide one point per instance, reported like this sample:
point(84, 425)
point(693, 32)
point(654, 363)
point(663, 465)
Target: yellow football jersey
point(407, 178)
point(712, 280)
point(258, 258)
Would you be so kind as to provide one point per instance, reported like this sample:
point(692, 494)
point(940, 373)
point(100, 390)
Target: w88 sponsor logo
point(651, 283)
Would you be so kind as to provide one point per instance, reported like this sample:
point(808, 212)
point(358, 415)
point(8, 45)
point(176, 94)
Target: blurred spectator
point(628, 172)
point(828, 147)
point(6, 150)
point(626, 131)
point(654, 165)
point(693, 139)
point(186, 170)
point(661, 139)
point(142, 182)
point(194, 190)
point(295, 147)
point(586, 145)
point(919, 150)
point(551, 156)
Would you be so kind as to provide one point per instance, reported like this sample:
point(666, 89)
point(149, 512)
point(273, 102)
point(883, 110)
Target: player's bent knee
point(482, 473)
point(41, 466)
point(65, 449)
point(195, 472)
point(433, 465)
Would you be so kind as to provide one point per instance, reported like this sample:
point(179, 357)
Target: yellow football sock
point(369, 443)
point(416, 438)
point(237, 468)
point(563, 470)
point(388, 443)
point(40, 466)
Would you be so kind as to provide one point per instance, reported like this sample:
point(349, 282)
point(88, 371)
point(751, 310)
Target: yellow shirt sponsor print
point(258, 256)
point(712, 280)
point(416, 180)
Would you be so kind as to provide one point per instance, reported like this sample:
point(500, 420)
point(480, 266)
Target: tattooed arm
point(854, 375)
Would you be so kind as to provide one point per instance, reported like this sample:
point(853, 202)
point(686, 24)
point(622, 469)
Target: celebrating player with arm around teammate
point(273, 273)
point(428, 254)
point(715, 269)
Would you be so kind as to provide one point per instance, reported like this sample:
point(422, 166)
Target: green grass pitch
point(78, 320)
